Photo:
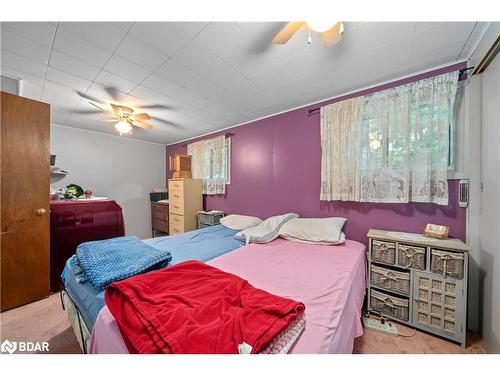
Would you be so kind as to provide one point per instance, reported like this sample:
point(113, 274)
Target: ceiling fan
point(331, 32)
point(125, 118)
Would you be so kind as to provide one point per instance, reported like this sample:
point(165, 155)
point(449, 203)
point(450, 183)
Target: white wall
point(489, 216)
point(472, 151)
point(483, 214)
point(117, 167)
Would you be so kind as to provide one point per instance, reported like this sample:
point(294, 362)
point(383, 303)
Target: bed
point(83, 302)
point(329, 280)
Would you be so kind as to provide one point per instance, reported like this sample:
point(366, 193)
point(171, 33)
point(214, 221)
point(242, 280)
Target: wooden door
point(25, 184)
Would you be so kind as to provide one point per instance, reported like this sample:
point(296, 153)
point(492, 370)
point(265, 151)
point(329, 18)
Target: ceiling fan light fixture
point(320, 26)
point(123, 127)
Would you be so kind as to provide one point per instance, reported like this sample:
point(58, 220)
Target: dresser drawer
point(411, 256)
point(176, 224)
point(161, 225)
point(176, 206)
point(175, 185)
point(176, 195)
point(383, 251)
point(386, 278)
point(159, 212)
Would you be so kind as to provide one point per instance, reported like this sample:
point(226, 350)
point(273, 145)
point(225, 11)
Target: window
point(390, 146)
point(211, 159)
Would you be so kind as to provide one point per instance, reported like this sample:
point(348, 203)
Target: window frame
point(456, 129)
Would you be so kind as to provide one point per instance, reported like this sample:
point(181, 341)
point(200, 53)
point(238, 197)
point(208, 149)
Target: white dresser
point(185, 200)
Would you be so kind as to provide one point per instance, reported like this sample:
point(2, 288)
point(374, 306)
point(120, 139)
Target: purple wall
point(276, 165)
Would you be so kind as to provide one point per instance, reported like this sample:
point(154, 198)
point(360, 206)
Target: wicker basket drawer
point(209, 219)
point(447, 263)
point(411, 256)
point(383, 251)
point(395, 281)
point(390, 305)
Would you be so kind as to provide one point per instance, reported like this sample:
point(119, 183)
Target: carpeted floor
point(46, 321)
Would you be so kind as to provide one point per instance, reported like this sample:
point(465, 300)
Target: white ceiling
point(196, 77)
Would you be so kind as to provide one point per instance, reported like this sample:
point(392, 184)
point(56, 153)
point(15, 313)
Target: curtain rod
point(461, 77)
point(227, 135)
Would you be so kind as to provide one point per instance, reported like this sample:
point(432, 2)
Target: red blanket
point(195, 308)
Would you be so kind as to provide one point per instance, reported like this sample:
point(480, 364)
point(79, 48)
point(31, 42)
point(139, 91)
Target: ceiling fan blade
point(287, 32)
point(141, 124)
point(333, 35)
point(88, 97)
point(113, 92)
point(121, 109)
point(95, 105)
point(155, 106)
point(86, 111)
point(115, 108)
point(166, 122)
point(141, 117)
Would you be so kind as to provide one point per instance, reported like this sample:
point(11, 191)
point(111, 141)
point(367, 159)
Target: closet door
point(25, 179)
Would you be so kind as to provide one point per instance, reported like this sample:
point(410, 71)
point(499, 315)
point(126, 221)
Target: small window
point(211, 162)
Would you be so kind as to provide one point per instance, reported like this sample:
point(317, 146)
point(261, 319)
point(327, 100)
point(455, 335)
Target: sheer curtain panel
point(392, 146)
point(210, 163)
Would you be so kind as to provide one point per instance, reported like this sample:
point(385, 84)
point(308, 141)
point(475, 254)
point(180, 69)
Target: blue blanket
point(102, 262)
point(202, 244)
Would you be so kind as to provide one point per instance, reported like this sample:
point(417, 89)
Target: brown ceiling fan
point(331, 32)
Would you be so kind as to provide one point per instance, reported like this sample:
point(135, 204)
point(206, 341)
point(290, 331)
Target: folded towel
point(102, 262)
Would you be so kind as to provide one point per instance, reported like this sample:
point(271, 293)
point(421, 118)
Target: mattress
point(329, 280)
point(202, 244)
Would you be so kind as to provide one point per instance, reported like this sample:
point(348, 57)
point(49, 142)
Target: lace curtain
point(340, 172)
point(210, 163)
point(391, 146)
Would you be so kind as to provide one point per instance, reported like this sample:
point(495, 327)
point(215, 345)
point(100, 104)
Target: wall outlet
point(376, 325)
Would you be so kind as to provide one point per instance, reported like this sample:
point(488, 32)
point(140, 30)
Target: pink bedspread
point(329, 280)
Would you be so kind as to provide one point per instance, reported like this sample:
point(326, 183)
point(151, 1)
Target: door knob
point(41, 212)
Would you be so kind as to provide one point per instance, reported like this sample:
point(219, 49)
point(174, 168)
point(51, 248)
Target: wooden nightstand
point(159, 218)
point(209, 218)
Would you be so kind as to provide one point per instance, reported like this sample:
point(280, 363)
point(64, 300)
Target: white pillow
point(324, 231)
point(240, 222)
point(266, 231)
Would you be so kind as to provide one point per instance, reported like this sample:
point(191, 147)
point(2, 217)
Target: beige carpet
point(40, 321)
point(46, 321)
